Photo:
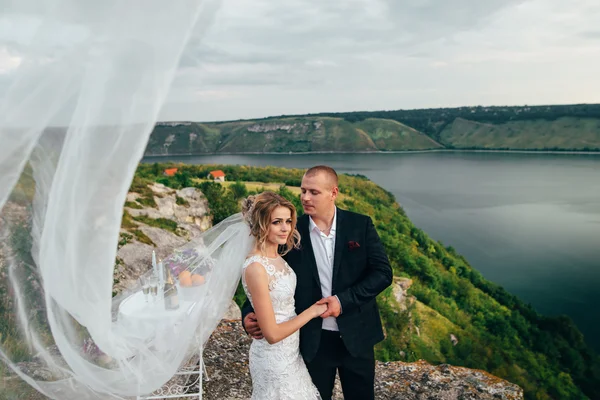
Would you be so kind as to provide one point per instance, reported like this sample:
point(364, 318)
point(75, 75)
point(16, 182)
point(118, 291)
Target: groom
point(341, 262)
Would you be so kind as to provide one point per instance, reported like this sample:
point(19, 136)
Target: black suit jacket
point(361, 271)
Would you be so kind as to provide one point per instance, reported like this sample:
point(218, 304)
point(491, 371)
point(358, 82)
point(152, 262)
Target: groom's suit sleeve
point(378, 277)
point(246, 309)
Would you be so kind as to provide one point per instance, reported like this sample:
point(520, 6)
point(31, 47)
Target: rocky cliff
point(226, 358)
point(172, 219)
point(226, 353)
point(161, 219)
point(228, 376)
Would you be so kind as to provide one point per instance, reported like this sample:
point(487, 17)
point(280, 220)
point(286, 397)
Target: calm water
point(529, 222)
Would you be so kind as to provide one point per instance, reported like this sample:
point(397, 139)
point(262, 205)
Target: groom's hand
point(251, 325)
point(334, 308)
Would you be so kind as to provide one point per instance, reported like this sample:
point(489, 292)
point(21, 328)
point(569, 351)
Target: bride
point(276, 366)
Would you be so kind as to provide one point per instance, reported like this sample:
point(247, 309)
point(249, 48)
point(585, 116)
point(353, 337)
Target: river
point(529, 222)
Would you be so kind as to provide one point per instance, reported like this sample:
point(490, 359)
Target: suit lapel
point(340, 239)
point(303, 228)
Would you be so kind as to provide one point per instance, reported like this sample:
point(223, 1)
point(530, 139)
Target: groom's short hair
point(324, 169)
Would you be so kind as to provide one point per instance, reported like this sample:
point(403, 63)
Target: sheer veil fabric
point(93, 76)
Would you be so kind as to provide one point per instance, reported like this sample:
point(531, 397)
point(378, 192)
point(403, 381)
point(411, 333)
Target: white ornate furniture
point(136, 313)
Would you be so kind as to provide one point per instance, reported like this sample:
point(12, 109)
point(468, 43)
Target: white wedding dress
point(278, 370)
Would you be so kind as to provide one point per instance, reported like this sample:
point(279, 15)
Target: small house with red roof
point(170, 172)
point(217, 176)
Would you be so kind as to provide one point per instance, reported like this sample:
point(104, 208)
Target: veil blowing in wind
point(73, 127)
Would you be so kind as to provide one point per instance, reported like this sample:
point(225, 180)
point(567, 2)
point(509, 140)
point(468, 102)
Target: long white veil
point(73, 126)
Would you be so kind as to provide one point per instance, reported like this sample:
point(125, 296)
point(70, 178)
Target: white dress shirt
point(323, 247)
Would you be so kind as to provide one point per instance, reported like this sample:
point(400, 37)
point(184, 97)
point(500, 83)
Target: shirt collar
point(314, 226)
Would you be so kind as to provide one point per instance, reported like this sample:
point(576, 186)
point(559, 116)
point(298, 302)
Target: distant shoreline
point(569, 152)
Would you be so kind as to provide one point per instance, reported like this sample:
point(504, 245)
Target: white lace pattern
point(278, 370)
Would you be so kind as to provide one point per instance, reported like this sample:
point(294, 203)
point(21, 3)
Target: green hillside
point(561, 134)
point(394, 136)
point(434, 121)
point(298, 134)
point(494, 330)
point(560, 128)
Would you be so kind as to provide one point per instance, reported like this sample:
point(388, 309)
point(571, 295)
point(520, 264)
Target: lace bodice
point(278, 370)
point(282, 285)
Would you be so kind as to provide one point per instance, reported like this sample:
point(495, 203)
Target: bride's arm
point(257, 281)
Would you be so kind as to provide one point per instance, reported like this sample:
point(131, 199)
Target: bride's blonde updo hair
point(257, 211)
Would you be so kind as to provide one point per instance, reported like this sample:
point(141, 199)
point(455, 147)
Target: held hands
point(318, 309)
point(251, 325)
point(334, 308)
point(324, 308)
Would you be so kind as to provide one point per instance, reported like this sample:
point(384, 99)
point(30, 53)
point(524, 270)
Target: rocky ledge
point(228, 377)
point(226, 353)
point(187, 208)
point(226, 358)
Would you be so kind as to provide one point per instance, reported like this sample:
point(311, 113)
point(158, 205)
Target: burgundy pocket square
point(353, 245)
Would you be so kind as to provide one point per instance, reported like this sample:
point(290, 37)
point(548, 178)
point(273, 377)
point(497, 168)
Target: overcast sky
point(265, 57)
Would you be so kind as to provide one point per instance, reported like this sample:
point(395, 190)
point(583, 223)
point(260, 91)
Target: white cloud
point(8, 62)
point(367, 55)
point(263, 57)
point(321, 63)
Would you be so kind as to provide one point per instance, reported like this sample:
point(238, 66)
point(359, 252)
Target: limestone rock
point(228, 375)
point(190, 212)
point(136, 257)
point(134, 262)
point(173, 123)
point(132, 196)
point(400, 290)
point(298, 127)
point(226, 358)
point(453, 339)
point(191, 216)
point(164, 240)
point(233, 312)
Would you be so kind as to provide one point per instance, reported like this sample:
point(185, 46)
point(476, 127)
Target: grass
point(162, 223)
point(433, 325)
point(141, 187)
point(434, 329)
point(274, 187)
point(141, 237)
point(16, 349)
point(207, 138)
point(24, 190)
point(147, 201)
point(14, 388)
point(181, 201)
point(255, 186)
point(127, 221)
point(133, 204)
point(390, 135)
point(124, 238)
